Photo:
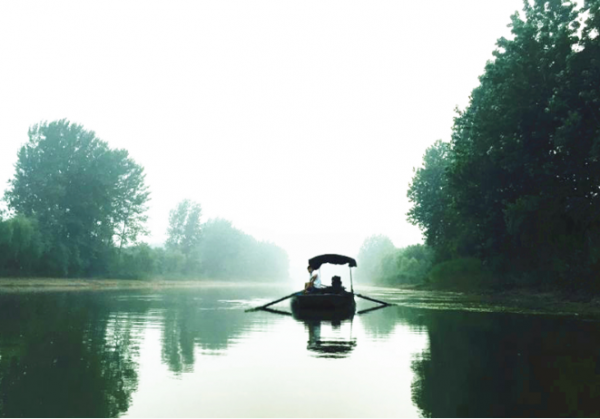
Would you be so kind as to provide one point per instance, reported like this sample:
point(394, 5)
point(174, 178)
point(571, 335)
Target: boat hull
point(323, 305)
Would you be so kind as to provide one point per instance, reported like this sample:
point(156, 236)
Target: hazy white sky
point(299, 121)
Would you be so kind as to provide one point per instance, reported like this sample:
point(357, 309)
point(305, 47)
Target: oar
point(368, 310)
point(272, 302)
point(272, 310)
point(374, 300)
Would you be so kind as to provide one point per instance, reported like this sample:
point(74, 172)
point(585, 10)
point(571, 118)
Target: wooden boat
point(325, 300)
point(330, 301)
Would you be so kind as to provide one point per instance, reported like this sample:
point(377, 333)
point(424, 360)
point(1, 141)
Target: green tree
point(21, 246)
point(131, 197)
point(82, 193)
point(185, 227)
point(521, 181)
point(432, 203)
point(185, 232)
point(503, 143)
point(525, 175)
point(414, 263)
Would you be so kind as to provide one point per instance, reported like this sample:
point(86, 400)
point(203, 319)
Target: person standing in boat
point(314, 281)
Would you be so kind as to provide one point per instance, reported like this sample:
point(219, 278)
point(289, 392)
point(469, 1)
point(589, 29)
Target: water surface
point(194, 352)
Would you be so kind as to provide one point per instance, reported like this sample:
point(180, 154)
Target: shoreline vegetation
point(19, 285)
point(516, 301)
point(529, 301)
point(510, 205)
point(78, 209)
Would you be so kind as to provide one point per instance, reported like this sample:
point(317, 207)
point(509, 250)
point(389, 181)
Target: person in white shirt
point(315, 280)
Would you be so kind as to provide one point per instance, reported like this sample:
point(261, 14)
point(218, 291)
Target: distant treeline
point(381, 263)
point(513, 198)
point(77, 208)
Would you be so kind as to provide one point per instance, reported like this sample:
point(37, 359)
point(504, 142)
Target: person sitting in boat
point(336, 284)
point(315, 281)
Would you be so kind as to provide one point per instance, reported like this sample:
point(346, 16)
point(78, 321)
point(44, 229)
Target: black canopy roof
point(317, 261)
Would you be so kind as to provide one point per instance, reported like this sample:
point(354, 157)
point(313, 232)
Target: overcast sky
point(299, 121)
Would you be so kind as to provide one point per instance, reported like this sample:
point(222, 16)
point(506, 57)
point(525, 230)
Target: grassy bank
point(15, 285)
point(517, 300)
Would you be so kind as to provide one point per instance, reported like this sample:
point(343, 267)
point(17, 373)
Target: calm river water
point(194, 352)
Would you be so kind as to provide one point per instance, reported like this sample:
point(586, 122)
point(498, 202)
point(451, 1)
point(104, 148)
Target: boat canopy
point(317, 261)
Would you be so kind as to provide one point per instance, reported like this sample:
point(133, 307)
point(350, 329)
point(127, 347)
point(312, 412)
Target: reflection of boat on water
point(330, 347)
point(333, 301)
point(326, 314)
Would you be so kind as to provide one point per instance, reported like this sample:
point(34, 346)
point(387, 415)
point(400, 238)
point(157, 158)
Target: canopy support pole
point(351, 284)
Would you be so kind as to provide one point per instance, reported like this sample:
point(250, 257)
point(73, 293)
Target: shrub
point(462, 273)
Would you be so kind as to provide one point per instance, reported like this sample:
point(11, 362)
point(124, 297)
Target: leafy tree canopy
point(517, 187)
point(184, 227)
point(84, 195)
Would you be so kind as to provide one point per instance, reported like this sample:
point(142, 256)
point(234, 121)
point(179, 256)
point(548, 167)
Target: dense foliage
point(517, 187)
point(78, 209)
point(82, 196)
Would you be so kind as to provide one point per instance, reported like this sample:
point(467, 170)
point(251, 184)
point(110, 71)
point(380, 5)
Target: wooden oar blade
point(373, 299)
point(272, 302)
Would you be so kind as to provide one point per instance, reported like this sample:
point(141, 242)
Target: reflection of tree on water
point(178, 341)
point(331, 347)
point(194, 319)
point(376, 321)
point(484, 365)
point(64, 357)
point(382, 322)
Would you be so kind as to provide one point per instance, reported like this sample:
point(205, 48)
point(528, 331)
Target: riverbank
point(513, 301)
point(525, 301)
point(550, 302)
point(16, 285)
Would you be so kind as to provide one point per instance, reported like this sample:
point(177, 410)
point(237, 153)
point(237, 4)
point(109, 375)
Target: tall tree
point(431, 200)
point(131, 196)
point(82, 193)
point(185, 227)
point(524, 176)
